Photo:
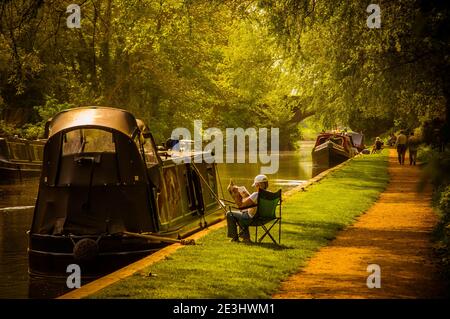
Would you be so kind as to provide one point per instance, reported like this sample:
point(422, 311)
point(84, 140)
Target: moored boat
point(107, 198)
point(331, 149)
point(20, 158)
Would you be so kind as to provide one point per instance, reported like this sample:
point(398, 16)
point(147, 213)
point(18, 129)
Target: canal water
point(16, 209)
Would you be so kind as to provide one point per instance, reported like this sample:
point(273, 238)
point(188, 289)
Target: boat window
point(37, 152)
point(337, 140)
point(322, 140)
point(3, 149)
point(18, 151)
point(149, 151)
point(88, 141)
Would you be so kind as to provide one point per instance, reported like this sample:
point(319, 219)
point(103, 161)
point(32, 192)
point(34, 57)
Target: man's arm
point(244, 202)
point(247, 202)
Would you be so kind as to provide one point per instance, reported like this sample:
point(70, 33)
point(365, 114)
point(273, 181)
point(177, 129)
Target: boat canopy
point(93, 177)
point(358, 139)
point(95, 116)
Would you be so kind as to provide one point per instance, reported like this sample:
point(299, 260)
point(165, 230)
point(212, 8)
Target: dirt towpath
point(394, 233)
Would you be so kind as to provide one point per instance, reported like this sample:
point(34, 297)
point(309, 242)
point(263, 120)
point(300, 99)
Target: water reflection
point(47, 288)
point(16, 209)
point(294, 168)
point(16, 213)
point(316, 170)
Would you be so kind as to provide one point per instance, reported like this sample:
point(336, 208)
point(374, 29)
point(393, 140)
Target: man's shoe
point(243, 235)
point(234, 240)
point(246, 240)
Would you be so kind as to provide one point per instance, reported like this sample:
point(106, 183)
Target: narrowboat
point(20, 158)
point(357, 140)
point(331, 149)
point(107, 196)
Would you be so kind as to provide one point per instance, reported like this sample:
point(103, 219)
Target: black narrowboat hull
point(329, 155)
point(49, 255)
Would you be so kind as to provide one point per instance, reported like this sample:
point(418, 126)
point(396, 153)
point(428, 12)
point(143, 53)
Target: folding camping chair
point(266, 213)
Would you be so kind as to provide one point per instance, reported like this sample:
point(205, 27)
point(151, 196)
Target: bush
point(35, 130)
point(45, 112)
point(424, 153)
point(444, 202)
point(437, 172)
point(436, 169)
point(7, 129)
point(442, 231)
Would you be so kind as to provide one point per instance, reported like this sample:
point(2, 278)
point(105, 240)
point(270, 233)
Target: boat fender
point(85, 250)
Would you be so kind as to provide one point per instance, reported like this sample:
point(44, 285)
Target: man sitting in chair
point(233, 217)
point(378, 146)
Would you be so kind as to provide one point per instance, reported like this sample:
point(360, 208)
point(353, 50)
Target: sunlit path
point(395, 234)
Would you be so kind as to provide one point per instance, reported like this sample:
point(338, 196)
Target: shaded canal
point(16, 209)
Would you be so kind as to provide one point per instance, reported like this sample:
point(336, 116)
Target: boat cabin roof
point(358, 138)
point(338, 138)
point(96, 116)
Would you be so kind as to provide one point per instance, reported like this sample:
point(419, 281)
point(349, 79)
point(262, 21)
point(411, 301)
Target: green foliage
point(230, 63)
point(169, 62)
point(45, 112)
point(437, 171)
point(442, 230)
point(393, 76)
point(51, 108)
point(444, 202)
point(36, 130)
point(7, 129)
point(424, 154)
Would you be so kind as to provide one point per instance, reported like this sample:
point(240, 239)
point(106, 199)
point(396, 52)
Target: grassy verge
point(216, 268)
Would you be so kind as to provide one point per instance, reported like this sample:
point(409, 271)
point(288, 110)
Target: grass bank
point(217, 268)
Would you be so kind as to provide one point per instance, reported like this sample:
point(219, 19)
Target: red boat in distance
point(332, 149)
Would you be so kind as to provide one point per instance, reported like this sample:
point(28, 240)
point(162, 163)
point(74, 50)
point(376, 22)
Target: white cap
point(260, 179)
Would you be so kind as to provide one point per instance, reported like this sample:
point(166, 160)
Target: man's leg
point(232, 221)
point(399, 154)
point(245, 235)
point(404, 154)
point(232, 226)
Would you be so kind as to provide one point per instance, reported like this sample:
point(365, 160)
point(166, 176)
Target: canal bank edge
point(139, 265)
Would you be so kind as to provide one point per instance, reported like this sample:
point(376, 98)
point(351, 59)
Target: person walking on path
point(393, 236)
point(400, 145)
point(413, 145)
